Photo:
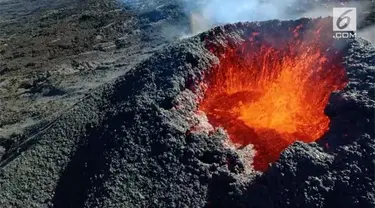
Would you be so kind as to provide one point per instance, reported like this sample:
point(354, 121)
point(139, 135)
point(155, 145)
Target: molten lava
point(271, 96)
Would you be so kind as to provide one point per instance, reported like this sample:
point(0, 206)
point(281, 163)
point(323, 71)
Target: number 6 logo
point(342, 18)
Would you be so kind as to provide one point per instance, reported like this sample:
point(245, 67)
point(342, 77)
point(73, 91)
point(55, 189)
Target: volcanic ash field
point(265, 114)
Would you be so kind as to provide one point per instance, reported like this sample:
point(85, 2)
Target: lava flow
point(271, 96)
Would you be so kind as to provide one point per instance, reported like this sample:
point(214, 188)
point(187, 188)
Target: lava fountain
point(271, 89)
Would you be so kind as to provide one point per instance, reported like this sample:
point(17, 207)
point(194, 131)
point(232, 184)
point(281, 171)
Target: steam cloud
point(368, 34)
point(215, 12)
point(205, 14)
point(244, 10)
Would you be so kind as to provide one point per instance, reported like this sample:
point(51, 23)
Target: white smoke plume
point(205, 14)
point(226, 11)
point(368, 34)
point(215, 12)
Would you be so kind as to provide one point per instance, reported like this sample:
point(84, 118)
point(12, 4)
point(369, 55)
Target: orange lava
point(271, 96)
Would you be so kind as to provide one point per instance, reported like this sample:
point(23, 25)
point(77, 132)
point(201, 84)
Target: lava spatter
point(271, 95)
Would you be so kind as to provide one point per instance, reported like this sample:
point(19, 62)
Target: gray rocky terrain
point(89, 118)
point(52, 53)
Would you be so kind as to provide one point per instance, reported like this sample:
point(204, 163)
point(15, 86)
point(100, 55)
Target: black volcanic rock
point(131, 143)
